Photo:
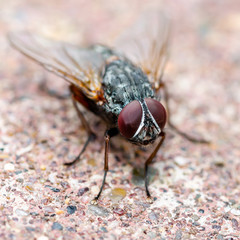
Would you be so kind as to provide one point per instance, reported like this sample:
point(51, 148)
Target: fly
point(122, 89)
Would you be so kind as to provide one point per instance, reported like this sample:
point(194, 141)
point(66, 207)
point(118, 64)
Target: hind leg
point(91, 134)
point(172, 126)
point(43, 86)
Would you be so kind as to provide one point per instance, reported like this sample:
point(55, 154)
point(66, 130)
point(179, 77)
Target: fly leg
point(53, 93)
point(91, 135)
point(148, 162)
point(171, 125)
point(109, 133)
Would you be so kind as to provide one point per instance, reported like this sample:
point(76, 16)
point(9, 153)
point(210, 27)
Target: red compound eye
point(129, 119)
point(158, 111)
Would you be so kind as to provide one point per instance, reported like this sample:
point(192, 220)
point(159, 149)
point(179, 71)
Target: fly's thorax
point(141, 122)
point(123, 83)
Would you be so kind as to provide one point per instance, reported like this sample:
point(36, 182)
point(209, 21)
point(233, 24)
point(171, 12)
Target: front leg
point(109, 133)
point(148, 162)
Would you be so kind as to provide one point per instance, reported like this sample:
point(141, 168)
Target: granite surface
point(195, 187)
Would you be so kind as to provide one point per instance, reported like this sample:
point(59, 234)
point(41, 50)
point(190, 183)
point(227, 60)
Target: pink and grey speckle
point(196, 187)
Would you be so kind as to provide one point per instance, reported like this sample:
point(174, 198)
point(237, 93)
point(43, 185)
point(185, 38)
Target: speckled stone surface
point(195, 188)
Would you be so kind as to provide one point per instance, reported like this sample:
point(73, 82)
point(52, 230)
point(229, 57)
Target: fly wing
point(79, 66)
point(146, 43)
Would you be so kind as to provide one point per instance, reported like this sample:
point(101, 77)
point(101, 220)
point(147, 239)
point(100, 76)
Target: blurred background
point(38, 133)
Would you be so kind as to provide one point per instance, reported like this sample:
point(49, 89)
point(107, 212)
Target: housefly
point(120, 86)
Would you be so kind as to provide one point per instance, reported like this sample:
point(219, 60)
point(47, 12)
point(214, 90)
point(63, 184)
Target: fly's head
point(141, 122)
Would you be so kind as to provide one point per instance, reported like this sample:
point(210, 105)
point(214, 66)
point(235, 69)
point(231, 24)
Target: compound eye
point(129, 119)
point(158, 111)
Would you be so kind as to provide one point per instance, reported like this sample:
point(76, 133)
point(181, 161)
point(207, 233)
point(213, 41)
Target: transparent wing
point(146, 43)
point(79, 66)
